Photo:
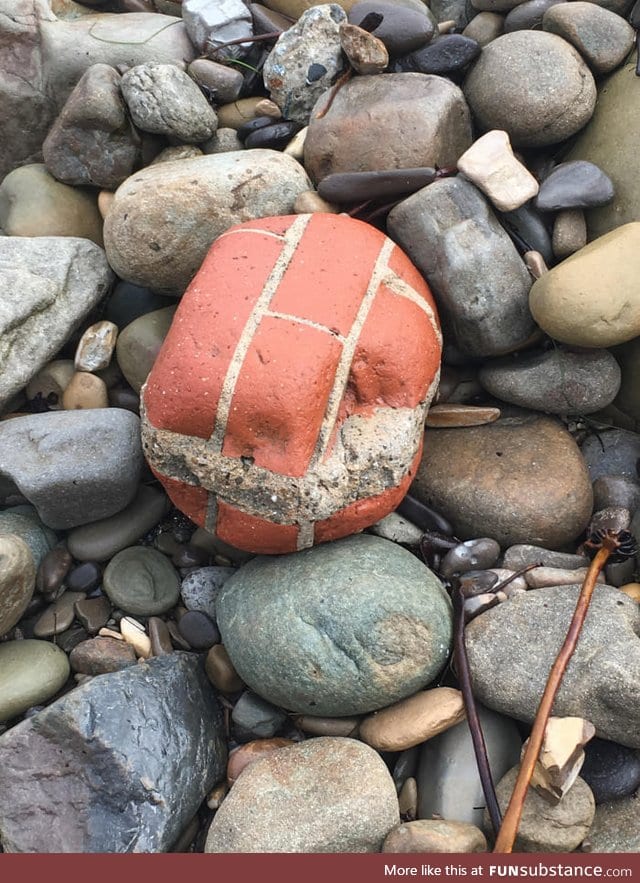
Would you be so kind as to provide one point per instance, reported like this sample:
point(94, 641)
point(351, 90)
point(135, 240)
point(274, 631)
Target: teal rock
point(344, 628)
point(30, 673)
point(25, 523)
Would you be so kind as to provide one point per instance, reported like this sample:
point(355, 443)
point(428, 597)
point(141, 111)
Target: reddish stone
point(287, 402)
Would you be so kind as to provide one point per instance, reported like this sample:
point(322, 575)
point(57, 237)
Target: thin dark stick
point(334, 91)
point(510, 579)
point(509, 829)
point(475, 728)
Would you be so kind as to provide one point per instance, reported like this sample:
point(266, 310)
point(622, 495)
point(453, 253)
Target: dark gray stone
point(612, 452)
point(522, 555)
point(73, 466)
point(340, 629)
point(528, 16)
point(361, 186)
point(128, 302)
point(616, 826)
point(401, 30)
point(118, 765)
point(528, 230)
point(603, 38)
point(448, 783)
point(512, 647)
point(479, 281)
point(199, 630)
point(576, 184)
point(555, 381)
point(471, 555)
point(446, 55)
point(610, 770)
point(255, 718)
point(616, 490)
point(141, 581)
point(92, 142)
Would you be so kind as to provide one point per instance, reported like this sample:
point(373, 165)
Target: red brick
point(250, 532)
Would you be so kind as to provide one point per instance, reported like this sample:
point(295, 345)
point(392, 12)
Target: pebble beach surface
point(311, 314)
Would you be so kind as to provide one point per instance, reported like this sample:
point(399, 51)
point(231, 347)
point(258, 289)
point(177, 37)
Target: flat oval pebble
point(220, 670)
point(159, 636)
point(30, 673)
point(557, 381)
point(611, 771)
point(58, 617)
point(84, 577)
point(533, 85)
point(414, 720)
point(528, 16)
point(603, 38)
point(402, 29)
point(567, 301)
point(575, 184)
point(343, 187)
point(327, 726)
point(17, 580)
point(308, 798)
point(141, 581)
point(477, 554)
point(254, 717)
point(469, 475)
point(198, 630)
point(435, 835)
point(545, 827)
point(93, 613)
point(372, 626)
point(447, 55)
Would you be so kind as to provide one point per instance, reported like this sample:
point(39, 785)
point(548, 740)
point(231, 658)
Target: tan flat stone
point(561, 756)
point(414, 720)
point(450, 415)
point(490, 164)
point(632, 590)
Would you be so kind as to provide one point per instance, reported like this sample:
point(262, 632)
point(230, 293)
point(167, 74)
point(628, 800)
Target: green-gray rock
point(23, 521)
point(611, 142)
point(616, 826)
point(592, 298)
point(340, 629)
point(17, 580)
point(30, 673)
point(141, 581)
point(139, 344)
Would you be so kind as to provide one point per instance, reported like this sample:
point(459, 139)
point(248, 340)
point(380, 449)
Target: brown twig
point(475, 728)
point(509, 828)
point(346, 76)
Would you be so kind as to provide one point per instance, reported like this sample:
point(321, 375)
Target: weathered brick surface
point(287, 402)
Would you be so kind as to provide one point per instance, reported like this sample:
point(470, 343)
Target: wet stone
point(221, 672)
point(528, 230)
point(414, 720)
point(471, 555)
point(96, 346)
point(485, 27)
point(98, 656)
point(141, 581)
point(93, 613)
point(402, 28)
point(327, 726)
point(408, 799)
point(366, 53)
point(575, 184)
point(612, 452)
point(345, 187)
point(58, 617)
point(522, 555)
point(222, 83)
point(445, 56)
point(199, 630)
point(569, 232)
point(254, 717)
point(159, 636)
point(84, 577)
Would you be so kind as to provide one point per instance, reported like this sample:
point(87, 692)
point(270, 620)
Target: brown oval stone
point(52, 570)
point(250, 752)
point(99, 656)
point(58, 616)
point(414, 720)
point(522, 479)
point(220, 670)
point(85, 391)
point(435, 835)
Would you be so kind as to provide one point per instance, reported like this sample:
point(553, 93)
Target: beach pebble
point(603, 38)
point(198, 630)
point(50, 382)
point(485, 27)
point(209, 22)
point(134, 634)
point(533, 85)
point(448, 783)
point(490, 164)
point(141, 581)
point(616, 826)
point(98, 656)
point(402, 29)
point(243, 756)
point(305, 61)
point(220, 670)
point(366, 53)
point(511, 680)
point(31, 672)
point(73, 466)
point(17, 580)
point(123, 737)
point(164, 100)
point(552, 479)
point(52, 570)
point(91, 143)
point(476, 554)
point(101, 539)
point(56, 282)
point(414, 720)
point(159, 636)
point(160, 225)
point(366, 600)
point(567, 304)
point(545, 827)
point(556, 380)
point(435, 835)
point(575, 184)
point(397, 529)
point(569, 232)
point(200, 588)
point(522, 555)
point(253, 717)
point(428, 116)
point(528, 16)
point(308, 798)
point(96, 346)
point(139, 344)
point(93, 613)
point(452, 235)
point(611, 771)
point(59, 616)
point(83, 391)
point(223, 82)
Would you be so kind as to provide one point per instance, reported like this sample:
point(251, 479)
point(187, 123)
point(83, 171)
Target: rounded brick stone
point(287, 403)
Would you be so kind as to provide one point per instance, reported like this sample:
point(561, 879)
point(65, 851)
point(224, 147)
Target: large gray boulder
point(340, 629)
point(512, 647)
point(119, 764)
point(49, 285)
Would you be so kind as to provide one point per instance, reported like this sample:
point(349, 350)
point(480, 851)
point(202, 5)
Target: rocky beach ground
point(312, 315)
